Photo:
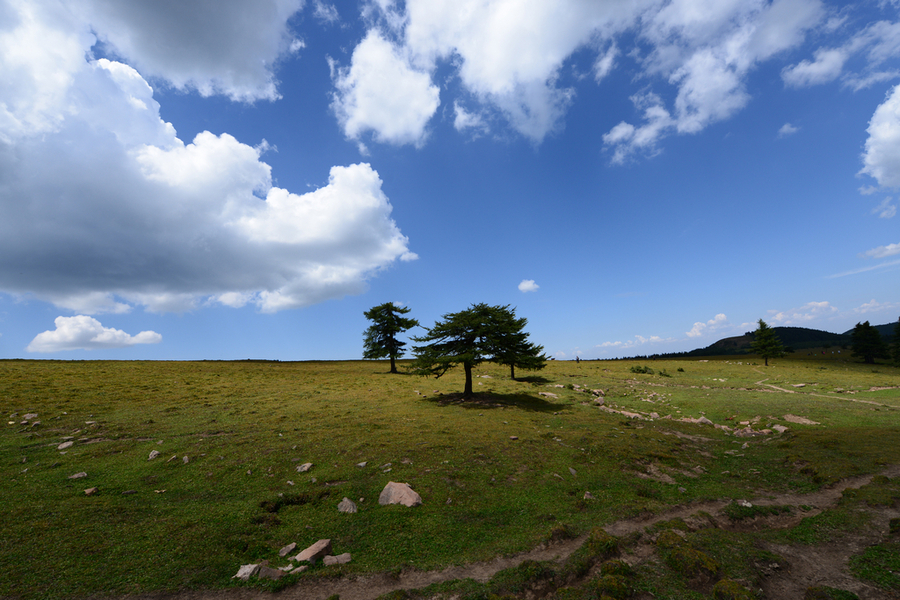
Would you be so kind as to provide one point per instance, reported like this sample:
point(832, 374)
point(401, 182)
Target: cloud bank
point(86, 333)
point(129, 214)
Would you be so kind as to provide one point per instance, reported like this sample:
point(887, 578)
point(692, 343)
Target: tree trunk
point(512, 371)
point(767, 360)
point(393, 366)
point(467, 393)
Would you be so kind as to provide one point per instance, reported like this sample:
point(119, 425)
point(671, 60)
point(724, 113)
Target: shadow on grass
point(489, 401)
point(535, 379)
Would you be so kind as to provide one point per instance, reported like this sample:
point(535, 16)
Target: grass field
point(497, 476)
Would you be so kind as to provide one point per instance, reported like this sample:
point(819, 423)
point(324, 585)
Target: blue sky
point(229, 180)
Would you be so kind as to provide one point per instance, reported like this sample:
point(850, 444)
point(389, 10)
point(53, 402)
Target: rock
point(315, 552)
point(287, 549)
point(362, 464)
point(246, 572)
point(799, 420)
point(299, 569)
point(340, 559)
point(347, 506)
point(573, 471)
point(304, 467)
point(78, 475)
point(399, 493)
point(65, 445)
point(513, 437)
point(548, 394)
point(269, 573)
point(185, 460)
point(153, 454)
point(91, 491)
point(779, 428)
point(588, 496)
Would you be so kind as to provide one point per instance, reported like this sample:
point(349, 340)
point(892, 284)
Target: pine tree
point(470, 337)
point(766, 343)
point(380, 339)
point(867, 343)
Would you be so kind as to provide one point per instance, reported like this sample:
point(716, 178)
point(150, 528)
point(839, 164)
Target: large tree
point(472, 336)
point(380, 339)
point(766, 343)
point(867, 343)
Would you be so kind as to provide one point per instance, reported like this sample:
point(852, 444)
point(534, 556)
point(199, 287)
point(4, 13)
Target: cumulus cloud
point(381, 92)
point(86, 333)
point(638, 340)
point(132, 215)
point(876, 307)
point(787, 129)
point(826, 66)
point(882, 154)
point(528, 285)
point(701, 328)
point(810, 311)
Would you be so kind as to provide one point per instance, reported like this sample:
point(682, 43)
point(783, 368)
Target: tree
point(866, 343)
point(470, 337)
point(380, 339)
point(766, 343)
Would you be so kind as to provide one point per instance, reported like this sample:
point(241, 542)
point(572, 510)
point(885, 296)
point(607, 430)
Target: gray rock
point(153, 454)
point(30, 416)
point(318, 550)
point(340, 559)
point(246, 572)
point(304, 467)
point(287, 549)
point(299, 569)
point(91, 491)
point(588, 496)
point(78, 475)
point(185, 460)
point(347, 506)
point(65, 445)
point(269, 573)
point(573, 471)
point(399, 493)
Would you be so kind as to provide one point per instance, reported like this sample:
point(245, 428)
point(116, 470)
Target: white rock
point(153, 454)
point(246, 572)
point(340, 559)
point(399, 493)
point(304, 467)
point(65, 445)
point(315, 552)
point(347, 506)
point(287, 549)
point(81, 475)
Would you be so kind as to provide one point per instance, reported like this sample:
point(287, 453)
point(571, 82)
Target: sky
point(226, 179)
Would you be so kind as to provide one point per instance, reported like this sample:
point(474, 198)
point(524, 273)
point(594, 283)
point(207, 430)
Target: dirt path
point(823, 565)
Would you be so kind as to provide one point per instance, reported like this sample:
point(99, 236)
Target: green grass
point(245, 426)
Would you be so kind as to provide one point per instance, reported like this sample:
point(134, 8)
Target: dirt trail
point(825, 565)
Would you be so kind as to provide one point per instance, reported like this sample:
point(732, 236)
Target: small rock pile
point(321, 550)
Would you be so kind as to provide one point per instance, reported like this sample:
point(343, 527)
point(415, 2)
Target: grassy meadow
point(498, 476)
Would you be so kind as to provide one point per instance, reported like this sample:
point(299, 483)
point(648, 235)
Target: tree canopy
point(867, 343)
point(472, 336)
point(766, 343)
point(380, 339)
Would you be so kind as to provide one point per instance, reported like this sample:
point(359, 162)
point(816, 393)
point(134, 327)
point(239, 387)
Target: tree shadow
point(485, 401)
point(535, 379)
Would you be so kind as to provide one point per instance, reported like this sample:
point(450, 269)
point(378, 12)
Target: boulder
point(340, 559)
point(347, 506)
point(318, 550)
point(399, 493)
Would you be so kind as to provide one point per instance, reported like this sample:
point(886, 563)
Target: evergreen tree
point(380, 339)
point(867, 343)
point(766, 343)
point(470, 337)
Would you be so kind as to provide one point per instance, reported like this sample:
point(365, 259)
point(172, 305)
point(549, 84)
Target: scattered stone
point(347, 506)
point(287, 549)
point(799, 420)
point(798, 385)
point(548, 394)
point(78, 475)
point(573, 471)
point(65, 445)
point(153, 454)
point(513, 437)
point(318, 550)
point(185, 460)
point(744, 503)
point(269, 573)
point(588, 496)
point(30, 416)
point(246, 572)
point(399, 493)
point(91, 491)
point(129, 492)
point(362, 464)
point(299, 569)
point(779, 428)
point(174, 456)
point(340, 559)
point(304, 467)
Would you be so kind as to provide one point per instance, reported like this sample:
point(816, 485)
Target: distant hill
point(793, 338)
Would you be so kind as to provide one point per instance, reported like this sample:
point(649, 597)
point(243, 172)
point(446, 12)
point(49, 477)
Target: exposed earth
point(803, 566)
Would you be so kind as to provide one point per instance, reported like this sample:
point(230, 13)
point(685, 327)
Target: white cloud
point(885, 210)
point(826, 67)
point(876, 307)
point(882, 155)
point(713, 324)
point(528, 285)
point(325, 12)
point(129, 214)
point(787, 129)
point(883, 251)
point(464, 119)
point(86, 333)
point(638, 340)
point(866, 269)
point(381, 92)
point(811, 311)
point(225, 47)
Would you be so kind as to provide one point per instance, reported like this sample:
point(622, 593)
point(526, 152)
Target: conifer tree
point(867, 343)
point(380, 339)
point(766, 343)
